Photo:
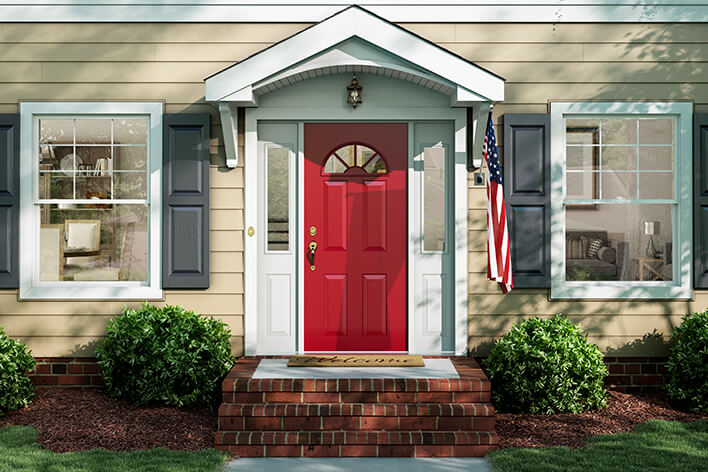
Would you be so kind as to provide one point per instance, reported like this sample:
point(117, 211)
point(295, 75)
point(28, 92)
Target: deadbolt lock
point(313, 231)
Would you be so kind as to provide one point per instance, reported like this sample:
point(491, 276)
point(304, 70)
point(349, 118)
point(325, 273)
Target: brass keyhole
point(313, 231)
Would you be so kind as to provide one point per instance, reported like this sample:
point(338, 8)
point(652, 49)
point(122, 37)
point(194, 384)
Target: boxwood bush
point(688, 364)
point(545, 366)
point(16, 388)
point(166, 355)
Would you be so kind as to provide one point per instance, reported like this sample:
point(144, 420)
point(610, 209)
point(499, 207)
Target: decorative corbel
point(229, 122)
point(479, 124)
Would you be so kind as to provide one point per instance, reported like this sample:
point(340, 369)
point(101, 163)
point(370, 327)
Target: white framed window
point(90, 200)
point(621, 216)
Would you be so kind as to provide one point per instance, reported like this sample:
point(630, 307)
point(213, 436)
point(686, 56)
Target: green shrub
point(546, 366)
point(166, 355)
point(688, 364)
point(16, 388)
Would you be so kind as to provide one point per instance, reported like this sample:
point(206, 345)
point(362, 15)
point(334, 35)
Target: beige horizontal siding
point(127, 33)
point(85, 325)
point(83, 346)
point(168, 62)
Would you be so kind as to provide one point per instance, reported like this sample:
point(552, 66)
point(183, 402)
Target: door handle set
point(311, 254)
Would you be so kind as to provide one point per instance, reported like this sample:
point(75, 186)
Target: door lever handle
point(313, 248)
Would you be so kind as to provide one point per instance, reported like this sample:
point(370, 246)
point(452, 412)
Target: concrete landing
point(369, 464)
point(278, 369)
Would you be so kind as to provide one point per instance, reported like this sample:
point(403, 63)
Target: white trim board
point(372, 111)
point(30, 285)
point(237, 83)
point(427, 11)
point(681, 284)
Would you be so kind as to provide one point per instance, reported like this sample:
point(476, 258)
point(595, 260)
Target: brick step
point(356, 417)
point(356, 443)
point(355, 437)
point(357, 423)
point(356, 397)
point(358, 450)
point(356, 409)
point(464, 384)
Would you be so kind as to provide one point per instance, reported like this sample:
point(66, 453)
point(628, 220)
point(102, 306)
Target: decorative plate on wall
point(67, 163)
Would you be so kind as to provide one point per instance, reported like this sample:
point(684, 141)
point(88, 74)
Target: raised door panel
point(335, 202)
point(335, 304)
point(374, 217)
point(433, 290)
point(374, 306)
point(278, 299)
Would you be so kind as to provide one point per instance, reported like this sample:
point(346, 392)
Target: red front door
point(356, 214)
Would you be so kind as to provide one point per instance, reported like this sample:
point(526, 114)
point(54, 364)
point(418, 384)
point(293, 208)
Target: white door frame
point(254, 188)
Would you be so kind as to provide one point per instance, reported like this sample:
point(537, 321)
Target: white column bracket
point(480, 114)
point(229, 127)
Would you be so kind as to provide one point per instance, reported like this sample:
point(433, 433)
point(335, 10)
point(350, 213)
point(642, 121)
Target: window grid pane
point(625, 151)
point(622, 169)
point(97, 166)
point(100, 230)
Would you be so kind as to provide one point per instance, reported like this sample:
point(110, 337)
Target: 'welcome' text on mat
point(367, 360)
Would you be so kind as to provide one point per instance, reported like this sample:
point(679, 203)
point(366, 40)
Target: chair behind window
point(82, 234)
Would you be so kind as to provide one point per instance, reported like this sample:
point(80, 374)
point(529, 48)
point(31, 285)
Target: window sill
point(619, 291)
point(91, 291)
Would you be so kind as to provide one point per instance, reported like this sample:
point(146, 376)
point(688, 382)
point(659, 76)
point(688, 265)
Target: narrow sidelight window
point(434, 199)
point(278, 176)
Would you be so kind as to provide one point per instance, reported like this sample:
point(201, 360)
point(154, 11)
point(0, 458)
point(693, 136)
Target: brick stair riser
point(396, 438)
point(356, 423)
point(358, 450)
point(357, 409)
point(465, 384)
point(356, 397)
point(356, 417)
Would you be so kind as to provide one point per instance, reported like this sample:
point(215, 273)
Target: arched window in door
point(355, 158)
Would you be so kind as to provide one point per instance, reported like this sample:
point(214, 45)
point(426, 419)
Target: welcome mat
point(366, 360)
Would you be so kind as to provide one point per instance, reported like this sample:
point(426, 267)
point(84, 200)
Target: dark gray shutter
point(700, 206)
point(527, 183)
point(9, 201)
point(185, 204)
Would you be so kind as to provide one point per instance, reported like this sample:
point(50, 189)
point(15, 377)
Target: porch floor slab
point(370, 464)
point(278, 369)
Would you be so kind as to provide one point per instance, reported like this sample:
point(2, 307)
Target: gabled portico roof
point(310, 52)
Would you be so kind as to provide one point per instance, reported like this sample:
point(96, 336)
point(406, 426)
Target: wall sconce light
point(354, 93)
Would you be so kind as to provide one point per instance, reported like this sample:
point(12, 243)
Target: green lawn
point(653, 446)
point(19, 451)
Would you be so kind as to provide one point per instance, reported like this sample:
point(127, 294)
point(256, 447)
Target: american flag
point(498, 253)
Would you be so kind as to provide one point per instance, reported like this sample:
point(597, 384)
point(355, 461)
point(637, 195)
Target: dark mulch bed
point(624, 412)
point(74, 420)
